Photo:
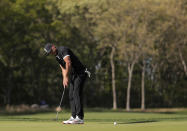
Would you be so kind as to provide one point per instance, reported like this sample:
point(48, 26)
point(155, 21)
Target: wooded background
point(135, 49)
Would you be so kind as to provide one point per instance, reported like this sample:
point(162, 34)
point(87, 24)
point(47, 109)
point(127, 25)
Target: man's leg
point(72, 101)
point(72, 104)
point(78, 96)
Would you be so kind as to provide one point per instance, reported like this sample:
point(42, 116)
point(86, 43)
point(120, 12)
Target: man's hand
point(65, 81)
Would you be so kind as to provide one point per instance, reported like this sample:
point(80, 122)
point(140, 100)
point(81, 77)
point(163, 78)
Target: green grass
point(96, 120)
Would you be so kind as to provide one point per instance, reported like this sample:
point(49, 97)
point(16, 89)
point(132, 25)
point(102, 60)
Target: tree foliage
point(117, 40)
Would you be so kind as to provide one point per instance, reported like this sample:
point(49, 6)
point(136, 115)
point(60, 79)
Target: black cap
point(47, 48)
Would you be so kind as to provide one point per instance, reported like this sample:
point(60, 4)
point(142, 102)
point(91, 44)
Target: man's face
point(53, 50)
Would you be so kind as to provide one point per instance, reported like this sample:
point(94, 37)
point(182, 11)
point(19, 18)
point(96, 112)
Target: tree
point(180, 24)
point(138, 43)
point(129, 49)
point(146, 39)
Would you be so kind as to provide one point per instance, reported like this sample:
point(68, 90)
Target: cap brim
point(46, 54)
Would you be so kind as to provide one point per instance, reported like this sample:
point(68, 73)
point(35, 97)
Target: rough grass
point(101, 119)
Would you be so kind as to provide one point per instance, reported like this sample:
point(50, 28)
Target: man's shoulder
point(63, 48)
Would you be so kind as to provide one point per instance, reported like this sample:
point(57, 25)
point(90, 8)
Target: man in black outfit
point(74, 73)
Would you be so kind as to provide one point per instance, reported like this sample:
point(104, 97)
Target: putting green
point(97, 121)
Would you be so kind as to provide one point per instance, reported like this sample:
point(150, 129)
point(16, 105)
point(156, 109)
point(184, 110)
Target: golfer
point(74, 74)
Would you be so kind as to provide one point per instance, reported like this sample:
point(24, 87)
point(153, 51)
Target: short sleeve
point(65, 53)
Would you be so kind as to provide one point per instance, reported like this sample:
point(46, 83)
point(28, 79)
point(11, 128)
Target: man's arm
point(65, 72)
point(68, 66)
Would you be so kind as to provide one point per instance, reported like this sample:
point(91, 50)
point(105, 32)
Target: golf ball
point(115, 123)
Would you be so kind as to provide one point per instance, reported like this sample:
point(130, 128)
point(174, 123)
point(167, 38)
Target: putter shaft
point(60, 103)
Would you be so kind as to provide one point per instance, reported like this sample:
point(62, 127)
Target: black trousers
point(76, 95)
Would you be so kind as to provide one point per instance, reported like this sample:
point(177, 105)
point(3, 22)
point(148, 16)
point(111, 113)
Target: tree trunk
point(113, 78)
point(8, 90)
point(183, 62)
point(143, 87)
point(130, 70)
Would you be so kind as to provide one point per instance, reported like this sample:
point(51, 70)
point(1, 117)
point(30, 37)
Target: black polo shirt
point(77, 66)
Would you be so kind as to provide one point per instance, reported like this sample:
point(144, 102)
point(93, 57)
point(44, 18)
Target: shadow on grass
point(31, 112)
point(24, 113)
point(135, 122)
point(25, 119)
point(93, 120)
point(184, 112)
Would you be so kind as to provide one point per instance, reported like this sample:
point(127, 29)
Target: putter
point(60, 103)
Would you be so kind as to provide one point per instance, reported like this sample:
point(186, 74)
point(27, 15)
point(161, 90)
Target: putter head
point(58, 109)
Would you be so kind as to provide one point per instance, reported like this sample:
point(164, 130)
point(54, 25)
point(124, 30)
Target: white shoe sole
point(66, 122)
point(77, 122)
point(72, 122)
